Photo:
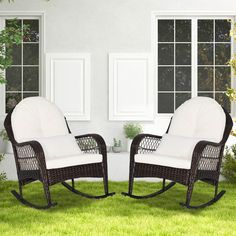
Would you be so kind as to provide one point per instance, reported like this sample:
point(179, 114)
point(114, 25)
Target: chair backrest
point(36, 117)
point(199, 117)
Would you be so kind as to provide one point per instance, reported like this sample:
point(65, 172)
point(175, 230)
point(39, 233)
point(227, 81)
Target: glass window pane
point(223, 100)
point(31, 54)
point(183, 78)
point(13, 77)
point(183, 31)
point(165, 54)
point(33, 34)
point(165, 103)
point(205, 30)
point(165, 30)
point(26, 95)
point(16, 54)
point(205, 54)
point(209, 95)
point(223, 53)
point(205, 78)
point(31, 78)
point(183, 54)
point(9, 22)
point(11, 100)
point(222, 78)
point(222, 29)
point(181, 98)
point(165, 78)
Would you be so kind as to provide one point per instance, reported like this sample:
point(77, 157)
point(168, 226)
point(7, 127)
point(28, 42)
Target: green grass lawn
point(117, 215)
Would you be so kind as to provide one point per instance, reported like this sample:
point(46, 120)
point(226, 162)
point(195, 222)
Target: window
point(192, 55)
point(23, 77)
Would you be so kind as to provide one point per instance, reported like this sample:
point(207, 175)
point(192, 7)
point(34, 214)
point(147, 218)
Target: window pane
point(166, 30)
point(209, 95)
point(165, 54)
point(205, 54)
point(11, 100)
point(26, 95)
point(205, 78)
point(9, 22)
point(222, 78)
point(165, 103)
point(165, 78)
point(31, 54)
point(31, 78)
point(223, 100)
point(183, 54)
point(181, 98)
point(16, 55)
point(33, 34)
point(222, 29)
point(13, 77)
point(183, 78)
point(205, 30)
point(183, 31)
point(223, 53)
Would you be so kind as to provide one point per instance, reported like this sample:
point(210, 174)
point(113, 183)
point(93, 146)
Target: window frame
point(25, 15)
point(194, 16)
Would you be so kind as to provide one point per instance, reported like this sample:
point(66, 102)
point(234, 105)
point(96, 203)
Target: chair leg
point(216, 197)
point(164, 188)
point(19, 197)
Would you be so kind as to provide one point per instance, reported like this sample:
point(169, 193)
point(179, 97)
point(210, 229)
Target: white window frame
point(25, 15)
point(194, 16)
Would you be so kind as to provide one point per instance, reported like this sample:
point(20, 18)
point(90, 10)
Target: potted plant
point(131, 130)
point(117, 146)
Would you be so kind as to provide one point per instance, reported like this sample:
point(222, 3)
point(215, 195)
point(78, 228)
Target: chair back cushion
point(59, 146)
point(36, 117)
point(200, 118)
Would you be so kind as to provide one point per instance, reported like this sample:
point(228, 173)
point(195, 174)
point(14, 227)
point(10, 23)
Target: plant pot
point(129, 141)
point(116, 149)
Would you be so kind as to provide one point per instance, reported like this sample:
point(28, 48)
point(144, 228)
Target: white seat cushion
point(75, 160)
point(36, 117)
point(59, 146)
point(169, 161)
point(199, 117)
point(177, 146)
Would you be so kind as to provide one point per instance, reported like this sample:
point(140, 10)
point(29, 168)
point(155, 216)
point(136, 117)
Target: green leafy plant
point(3, 135)
point(229, 164)
point(9, 37)
point(117, 143)
point(132, 129)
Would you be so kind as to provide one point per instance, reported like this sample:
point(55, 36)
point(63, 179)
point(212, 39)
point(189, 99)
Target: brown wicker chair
point(205, 156)
point(32, 159)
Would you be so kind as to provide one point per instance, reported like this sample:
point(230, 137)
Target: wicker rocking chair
point(45, 150)
point(191, 150)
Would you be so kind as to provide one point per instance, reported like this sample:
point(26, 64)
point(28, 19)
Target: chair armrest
point(145, 143)
point(206, 156)
point(91, 143)
point(30, 150)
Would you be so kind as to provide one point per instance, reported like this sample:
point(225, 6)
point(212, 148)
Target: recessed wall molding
point(131, 90)
point(68, 83)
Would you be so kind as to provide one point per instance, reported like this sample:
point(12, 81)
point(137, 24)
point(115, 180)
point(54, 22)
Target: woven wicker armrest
point(91, 143)
point(30, 155)
point(144, 143)
point(206, 156)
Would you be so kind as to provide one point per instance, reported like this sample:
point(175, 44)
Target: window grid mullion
point(194, 66)
point(22, 68)
point(214, 61)
point(174, 64)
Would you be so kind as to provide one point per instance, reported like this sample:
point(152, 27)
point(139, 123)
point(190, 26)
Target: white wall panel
point(130, 86)
point(68, 83)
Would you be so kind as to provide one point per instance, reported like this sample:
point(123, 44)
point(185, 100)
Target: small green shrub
point(117, 143)
point(132, 129)
point(229, 164)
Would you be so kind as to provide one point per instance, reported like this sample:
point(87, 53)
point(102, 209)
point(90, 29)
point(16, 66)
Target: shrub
point(229, 164)
point(132, 129)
